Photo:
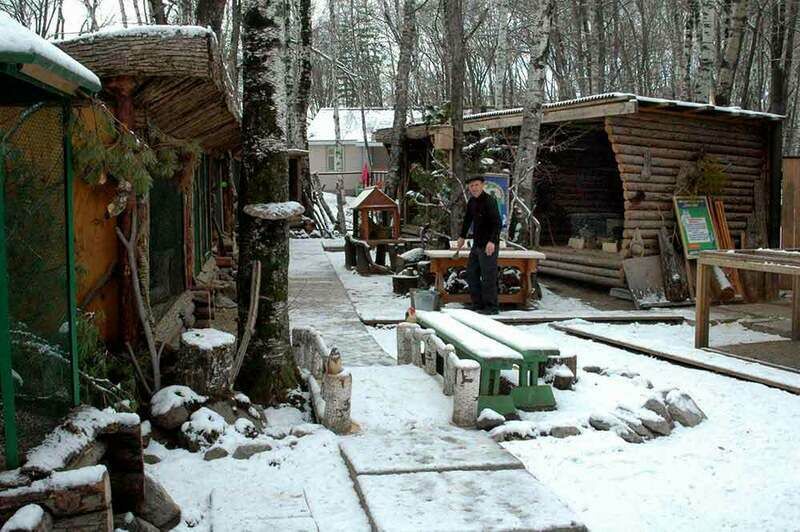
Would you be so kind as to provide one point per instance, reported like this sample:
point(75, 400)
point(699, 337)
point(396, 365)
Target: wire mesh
point(36, 259)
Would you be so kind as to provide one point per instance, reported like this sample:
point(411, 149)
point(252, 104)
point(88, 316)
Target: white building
point(322, 144)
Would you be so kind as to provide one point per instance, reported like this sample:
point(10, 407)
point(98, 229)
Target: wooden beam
point(685, 360)
point(703, 305)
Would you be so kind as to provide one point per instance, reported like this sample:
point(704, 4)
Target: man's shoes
point(489, 311)
point(475, 307)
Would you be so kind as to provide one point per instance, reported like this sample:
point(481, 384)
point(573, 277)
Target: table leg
point(796, 307)
point(702, 305)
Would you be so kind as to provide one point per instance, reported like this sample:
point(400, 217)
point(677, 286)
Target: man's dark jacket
point(484, 216)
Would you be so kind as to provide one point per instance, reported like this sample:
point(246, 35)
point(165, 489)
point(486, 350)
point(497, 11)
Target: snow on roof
point(18, 44)
point(156, 30)
point(321, 130)
point(623, 96)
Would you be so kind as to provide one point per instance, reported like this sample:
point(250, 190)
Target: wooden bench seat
point(529, 394)
point(490, 354)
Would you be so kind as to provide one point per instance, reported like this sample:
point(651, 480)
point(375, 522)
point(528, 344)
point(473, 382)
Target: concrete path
point(445, 478)
point(318, 299)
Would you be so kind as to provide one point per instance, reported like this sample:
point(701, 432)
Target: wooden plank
point(672, 357)
point(796, 308)
point(754, 360)
point(703, 305)
point(594, 317)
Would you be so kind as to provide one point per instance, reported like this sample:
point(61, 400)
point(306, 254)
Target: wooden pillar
point(796, 307)
point(702, 302)
point(122, 88)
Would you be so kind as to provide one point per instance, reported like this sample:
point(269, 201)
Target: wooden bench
point(529, 394)
point(492, 356)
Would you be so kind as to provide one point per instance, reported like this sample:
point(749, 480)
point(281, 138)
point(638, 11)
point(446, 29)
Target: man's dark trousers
point(482, 277)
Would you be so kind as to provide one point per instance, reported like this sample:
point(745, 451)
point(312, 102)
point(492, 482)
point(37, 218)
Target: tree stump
point(206, 360)
point(349, 253)
point(405, 343)
point(465, 393)
point(450, 363)
point(338, 389)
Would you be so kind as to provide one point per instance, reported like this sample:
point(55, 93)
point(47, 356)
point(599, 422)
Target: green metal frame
point(6, 381)
point(72, 298)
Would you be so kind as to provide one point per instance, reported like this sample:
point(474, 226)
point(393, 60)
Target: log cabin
point(610, 164)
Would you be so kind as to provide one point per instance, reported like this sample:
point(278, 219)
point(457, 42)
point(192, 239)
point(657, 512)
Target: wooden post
point(702, 305)
point(338, 389)
point(450, 362)
point(405, 341)
point(796, 307)
point(122, 88)
point(466, 390)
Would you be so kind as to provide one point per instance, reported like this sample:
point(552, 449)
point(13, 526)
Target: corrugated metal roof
point(623, 96)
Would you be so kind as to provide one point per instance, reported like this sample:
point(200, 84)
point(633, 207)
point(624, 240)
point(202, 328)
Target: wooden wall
point(582, 178)
point(96, 249)
point(670, 141)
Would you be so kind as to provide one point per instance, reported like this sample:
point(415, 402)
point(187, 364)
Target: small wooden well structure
point(367, 217)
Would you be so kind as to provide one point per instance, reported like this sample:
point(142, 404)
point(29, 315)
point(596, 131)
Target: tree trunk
point(268, 370)
point(525, 162)
point(407, 40)
point(157, 11)
point(136, 10)
point(337, 130)
point(598, 63)
point(122, 13)
point(210, 13)
point(730, 55)
point(705, 90)
point(455, 37)
point(300, 105)
point(501, 57)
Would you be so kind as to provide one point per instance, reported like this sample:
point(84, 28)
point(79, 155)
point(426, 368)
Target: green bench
point(529, 394)
point(492, 356)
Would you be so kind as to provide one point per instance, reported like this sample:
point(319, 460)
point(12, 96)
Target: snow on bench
point(505, 334)
point(471, 341)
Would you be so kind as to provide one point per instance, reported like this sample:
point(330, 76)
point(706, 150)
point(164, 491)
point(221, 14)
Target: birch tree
point(268, 370)
point(730, 54)
point(525, 161)
point(454, 17)
point(407, 40)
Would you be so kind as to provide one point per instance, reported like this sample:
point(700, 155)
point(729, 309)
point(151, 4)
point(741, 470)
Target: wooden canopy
point(176, 77)
point(373, 198)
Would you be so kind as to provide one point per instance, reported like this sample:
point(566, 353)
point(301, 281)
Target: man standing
point(484, 217)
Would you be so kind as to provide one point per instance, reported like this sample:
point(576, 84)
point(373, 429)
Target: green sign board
point(695, 225)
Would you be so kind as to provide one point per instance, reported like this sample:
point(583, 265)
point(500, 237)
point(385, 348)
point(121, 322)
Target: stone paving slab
point(463, 501)
point(318, 299)
point(260, 504)
point(443, 448)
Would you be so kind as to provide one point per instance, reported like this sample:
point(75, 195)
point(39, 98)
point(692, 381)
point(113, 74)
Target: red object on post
point(365, 175)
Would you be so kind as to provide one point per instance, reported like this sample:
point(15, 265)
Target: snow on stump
point(206, 360)
point(683, 409)
point(465, 393)
point(563, 369)
point(158, 507)
point(78, 499)
point(29, 518)
point(203, 429)
point(405, 343)
point(274, 211)
point(170, 407)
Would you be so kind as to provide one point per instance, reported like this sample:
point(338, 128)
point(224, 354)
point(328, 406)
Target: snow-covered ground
point(739, 469)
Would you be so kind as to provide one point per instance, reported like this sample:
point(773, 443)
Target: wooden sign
point(695, 225)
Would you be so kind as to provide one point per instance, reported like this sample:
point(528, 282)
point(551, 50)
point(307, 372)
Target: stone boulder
point(158, 508)
point(203, 429)
point(683, 409)
point(215, 453)
point(171, 406)
point(244, 452)
point(489, 419)
point(609, 422)
point(564, 431)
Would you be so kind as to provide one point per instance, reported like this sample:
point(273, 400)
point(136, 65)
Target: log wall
point(651, 147)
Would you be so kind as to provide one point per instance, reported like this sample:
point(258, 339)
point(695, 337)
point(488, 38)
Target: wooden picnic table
point(782, 261)
point(525, 261)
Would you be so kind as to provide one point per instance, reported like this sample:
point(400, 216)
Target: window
point(330, 158)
